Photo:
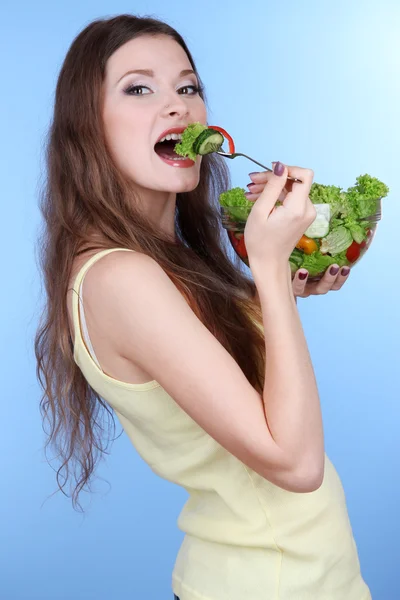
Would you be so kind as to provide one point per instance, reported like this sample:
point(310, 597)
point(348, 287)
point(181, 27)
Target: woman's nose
point(175, 106)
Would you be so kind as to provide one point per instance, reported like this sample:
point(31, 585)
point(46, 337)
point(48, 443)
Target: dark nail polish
point(279, 169)
point(334, 270)
point(303, 276)
point(345, 271)
point(250, 185)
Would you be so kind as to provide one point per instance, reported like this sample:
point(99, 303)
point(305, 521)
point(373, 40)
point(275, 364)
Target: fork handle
point(267, 168)
point(257, 163)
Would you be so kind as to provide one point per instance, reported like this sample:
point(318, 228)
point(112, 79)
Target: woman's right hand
point(271, 235)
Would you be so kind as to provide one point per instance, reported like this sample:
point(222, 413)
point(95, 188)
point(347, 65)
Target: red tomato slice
point(227, 136)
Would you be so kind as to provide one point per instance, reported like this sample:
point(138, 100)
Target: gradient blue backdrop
point(309, 83)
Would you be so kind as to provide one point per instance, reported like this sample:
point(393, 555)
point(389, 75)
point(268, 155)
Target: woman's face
point(149, 89)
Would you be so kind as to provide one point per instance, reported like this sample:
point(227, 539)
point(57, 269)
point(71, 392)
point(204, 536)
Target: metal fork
point(227, 155)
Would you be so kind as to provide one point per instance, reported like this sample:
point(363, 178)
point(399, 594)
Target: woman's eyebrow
point(150, 73)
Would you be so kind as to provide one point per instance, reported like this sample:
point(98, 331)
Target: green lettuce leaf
point(336, 223)
point(317, 263)
point(336, 241)
point(357, 229)
point(341, 259)
point(185, 146)
point(346, 207)
point(365, 194)
point(236, 203)
point(330, 194)
point(364, 206)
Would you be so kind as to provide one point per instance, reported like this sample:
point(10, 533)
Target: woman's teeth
point(171, 136)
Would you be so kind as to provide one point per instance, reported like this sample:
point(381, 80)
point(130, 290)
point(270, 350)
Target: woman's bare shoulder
point(111, 361)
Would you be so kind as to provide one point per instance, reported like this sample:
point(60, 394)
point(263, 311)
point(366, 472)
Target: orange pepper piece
point(308, 245)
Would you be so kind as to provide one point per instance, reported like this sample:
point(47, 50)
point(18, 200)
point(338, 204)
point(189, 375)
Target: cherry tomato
point(237, 241)
point(353, 252)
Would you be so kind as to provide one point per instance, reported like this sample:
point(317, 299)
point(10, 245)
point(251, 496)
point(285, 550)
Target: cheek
point(120, 130)
point(202, 113)
point(125, 135)
point(197, 109)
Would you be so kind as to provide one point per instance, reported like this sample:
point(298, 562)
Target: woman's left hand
point(333, 280)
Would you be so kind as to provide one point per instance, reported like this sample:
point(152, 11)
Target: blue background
point(309, 83)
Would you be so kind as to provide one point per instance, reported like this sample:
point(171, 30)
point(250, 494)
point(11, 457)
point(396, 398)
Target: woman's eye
point(137, 90)
point(190, 90)
point(143, 90)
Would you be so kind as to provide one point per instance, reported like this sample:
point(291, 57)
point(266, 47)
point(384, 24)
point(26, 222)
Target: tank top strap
point(78, 315)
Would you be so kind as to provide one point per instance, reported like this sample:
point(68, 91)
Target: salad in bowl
point(345, 222)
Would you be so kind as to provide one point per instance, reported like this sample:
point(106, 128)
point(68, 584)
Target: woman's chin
point(187, 188)
point(185, 184)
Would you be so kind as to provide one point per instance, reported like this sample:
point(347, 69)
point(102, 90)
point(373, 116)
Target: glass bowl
point(235, 231)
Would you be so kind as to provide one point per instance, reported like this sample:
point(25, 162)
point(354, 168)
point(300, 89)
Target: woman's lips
point(183, 163)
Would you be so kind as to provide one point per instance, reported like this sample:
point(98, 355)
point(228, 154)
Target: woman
point(172, 337)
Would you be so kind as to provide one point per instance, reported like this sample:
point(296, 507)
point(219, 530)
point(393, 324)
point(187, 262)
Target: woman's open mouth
point(165, 149)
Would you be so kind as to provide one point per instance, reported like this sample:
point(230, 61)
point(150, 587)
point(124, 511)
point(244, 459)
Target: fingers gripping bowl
point(345, 222)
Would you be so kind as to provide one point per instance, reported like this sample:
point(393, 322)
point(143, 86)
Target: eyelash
point(196, 89)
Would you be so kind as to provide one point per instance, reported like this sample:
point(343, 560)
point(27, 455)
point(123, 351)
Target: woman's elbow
point(309, 478)
point(303, 478)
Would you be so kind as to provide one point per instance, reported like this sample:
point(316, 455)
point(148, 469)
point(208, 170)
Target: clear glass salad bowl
point(235, 231)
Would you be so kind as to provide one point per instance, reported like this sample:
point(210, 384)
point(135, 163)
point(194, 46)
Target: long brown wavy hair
point(84, 191)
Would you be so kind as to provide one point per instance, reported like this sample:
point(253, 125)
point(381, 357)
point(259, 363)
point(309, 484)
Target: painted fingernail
point(250, 185)
point(303, 275)
point(279, 169)
point(254, 173)
point(247, 194)
point(345, 271)
point(254, 177)
point(334, 270)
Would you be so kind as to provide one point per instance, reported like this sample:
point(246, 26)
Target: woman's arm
point(140, 313)
point(256, 297)
point(290, 394)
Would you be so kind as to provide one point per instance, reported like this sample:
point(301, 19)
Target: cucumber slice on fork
point(207, 142)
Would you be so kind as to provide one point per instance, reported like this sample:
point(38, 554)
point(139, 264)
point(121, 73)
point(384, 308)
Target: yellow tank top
point(246, 539)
